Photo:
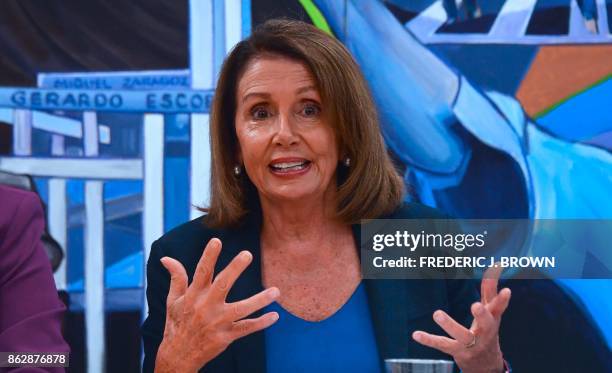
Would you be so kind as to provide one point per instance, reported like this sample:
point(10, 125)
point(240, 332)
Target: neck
point(293, 223)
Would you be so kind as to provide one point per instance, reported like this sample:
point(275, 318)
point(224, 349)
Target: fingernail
point(478, 308)
point(274, 316)
point(274, 292)
point(417, 336)
point(246, 255)
point(439, 316)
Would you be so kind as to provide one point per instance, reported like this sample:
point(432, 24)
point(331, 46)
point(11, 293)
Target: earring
point(347, 162)
point(237, 170)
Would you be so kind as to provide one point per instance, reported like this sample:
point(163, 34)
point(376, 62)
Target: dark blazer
point(30, 309)
point(398, 307)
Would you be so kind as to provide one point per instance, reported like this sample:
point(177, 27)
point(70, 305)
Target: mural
point(497, 109)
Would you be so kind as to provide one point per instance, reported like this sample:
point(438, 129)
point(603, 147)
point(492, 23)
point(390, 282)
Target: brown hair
point(369, 188)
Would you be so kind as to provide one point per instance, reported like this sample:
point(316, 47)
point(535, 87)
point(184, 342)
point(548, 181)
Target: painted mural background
point(496, 108)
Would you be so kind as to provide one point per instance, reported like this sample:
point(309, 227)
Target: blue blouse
point(344, 342)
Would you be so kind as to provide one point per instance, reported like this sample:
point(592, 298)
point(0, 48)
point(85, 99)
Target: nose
point(285, 130)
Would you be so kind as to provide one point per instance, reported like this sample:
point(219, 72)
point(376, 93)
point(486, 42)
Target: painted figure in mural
point(298, 160)
point(30, 309)
point(472, 10)
point(589, 14)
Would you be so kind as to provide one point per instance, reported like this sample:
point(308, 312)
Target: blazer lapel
point(249, 353)
point(395, 306)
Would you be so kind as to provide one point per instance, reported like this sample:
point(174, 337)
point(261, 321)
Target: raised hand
point(199, 323)
point(475, 349)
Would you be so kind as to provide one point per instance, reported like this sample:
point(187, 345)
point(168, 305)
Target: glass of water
point(418, 366)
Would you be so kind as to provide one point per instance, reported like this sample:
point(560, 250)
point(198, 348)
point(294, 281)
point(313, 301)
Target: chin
point(292, 193)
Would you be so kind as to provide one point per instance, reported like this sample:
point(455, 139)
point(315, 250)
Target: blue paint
point(122, 239)
point(176, 171)
point(594, 294)
point(582, 117)
point(496, 67)
point(128, 80)
point(246, 18)
point(124, 274)
point(176, 192)
point(75, 192)
point(218, 36)
point(121, 188)
point(41, 142)
point(42, 187)
point(183, 101)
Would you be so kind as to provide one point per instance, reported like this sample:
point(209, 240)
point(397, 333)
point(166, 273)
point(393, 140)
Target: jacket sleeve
point(30, 308)
point(158, 285)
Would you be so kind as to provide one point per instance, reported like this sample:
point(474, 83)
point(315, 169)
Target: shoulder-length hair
point(368, 188)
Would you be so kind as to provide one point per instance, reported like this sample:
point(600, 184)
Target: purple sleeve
point(30, 309)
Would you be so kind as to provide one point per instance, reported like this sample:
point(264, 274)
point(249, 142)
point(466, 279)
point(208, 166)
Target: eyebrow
point(255, 94)
point(267, 95)
point(306, 89)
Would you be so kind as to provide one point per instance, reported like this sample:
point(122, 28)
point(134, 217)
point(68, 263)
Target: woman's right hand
point(199, 323)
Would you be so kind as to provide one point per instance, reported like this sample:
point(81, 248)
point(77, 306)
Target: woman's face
point(286, 142)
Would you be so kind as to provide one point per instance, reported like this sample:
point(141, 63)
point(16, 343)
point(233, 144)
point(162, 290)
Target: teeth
point(287, 165)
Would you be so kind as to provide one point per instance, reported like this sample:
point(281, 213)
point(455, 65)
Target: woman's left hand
point(475, 349)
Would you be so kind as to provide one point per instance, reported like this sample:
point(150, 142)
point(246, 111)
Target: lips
point(289, 165)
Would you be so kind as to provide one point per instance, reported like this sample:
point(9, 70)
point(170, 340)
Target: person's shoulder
point(186, 236)
point(12, 199)
point(185, 231)
point(20, 208)
point(414, 210)
point(187, 241)
point(22, 223)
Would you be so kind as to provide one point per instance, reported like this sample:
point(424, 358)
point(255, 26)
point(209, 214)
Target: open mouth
point(289, 167)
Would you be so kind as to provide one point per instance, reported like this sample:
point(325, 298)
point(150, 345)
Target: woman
point(298, 160)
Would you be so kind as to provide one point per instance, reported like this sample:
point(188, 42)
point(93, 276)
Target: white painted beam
point(513, 19)
point(428, 21)
point(94, 276)
point(153, 209)
point(201, 61)
point(233, 23)
point(74, 168)
point(602, 18)
point(577, 25)
point(200, 163)
point(22, 132)
point(57, 213)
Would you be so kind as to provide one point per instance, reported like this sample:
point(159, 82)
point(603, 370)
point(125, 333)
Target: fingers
point(452, 327)
point(500, 303)
point(178, 279)
point(245, 327)
point(483, 319)
point(203, 275)
point(443, 344)
point(245, 307)
point(488, 285)
point(226, 279)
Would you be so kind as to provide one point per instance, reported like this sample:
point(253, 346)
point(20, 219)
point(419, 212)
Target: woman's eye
point(260, 113)
point(310, 110)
